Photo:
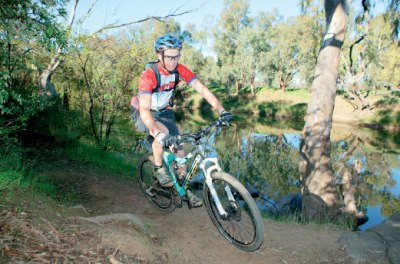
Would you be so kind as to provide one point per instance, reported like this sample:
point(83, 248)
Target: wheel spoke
point(243, 225)
point(160, 197)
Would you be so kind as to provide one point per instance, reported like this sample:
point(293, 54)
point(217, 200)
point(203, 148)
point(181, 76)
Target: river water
point(263, 154)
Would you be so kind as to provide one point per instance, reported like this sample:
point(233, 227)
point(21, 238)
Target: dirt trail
point(188, 236)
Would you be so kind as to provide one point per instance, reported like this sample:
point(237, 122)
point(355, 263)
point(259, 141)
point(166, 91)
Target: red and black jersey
point(161, 97)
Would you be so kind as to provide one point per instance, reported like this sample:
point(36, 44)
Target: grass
point(272, 103)
point(15, 184)
point(290, 218)
point(10, 179)
point(269, 102)
point(112, 162)
point(19, 169)
point(42, 189)
point(17, 179)
point(290, 96)
point(344, 221)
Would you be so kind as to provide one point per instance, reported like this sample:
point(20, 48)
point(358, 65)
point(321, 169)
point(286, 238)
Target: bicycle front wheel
point(243, 225)
point(160, 197)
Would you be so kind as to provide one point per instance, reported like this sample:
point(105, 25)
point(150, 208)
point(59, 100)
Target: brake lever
point(221, 123)
point(175, 144)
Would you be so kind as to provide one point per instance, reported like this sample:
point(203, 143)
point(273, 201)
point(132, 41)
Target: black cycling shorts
point(166, 117)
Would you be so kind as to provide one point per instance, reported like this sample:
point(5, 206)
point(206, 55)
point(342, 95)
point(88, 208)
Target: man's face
point(170, 58)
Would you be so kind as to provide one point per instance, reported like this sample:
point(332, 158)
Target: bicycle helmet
point(167, 42)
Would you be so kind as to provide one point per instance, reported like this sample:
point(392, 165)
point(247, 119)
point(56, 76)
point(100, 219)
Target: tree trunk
point(45, 85)
point(320, 197)
point(91, 104)
point(349, 184)
point(282, 84)
point(237, 87)
point(252, 85)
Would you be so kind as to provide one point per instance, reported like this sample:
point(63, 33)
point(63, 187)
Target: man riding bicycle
point(156, 117)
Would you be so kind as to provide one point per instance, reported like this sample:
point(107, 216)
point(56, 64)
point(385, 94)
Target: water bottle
point(181, 168)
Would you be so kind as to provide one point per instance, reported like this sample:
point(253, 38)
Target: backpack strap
point(171, 101)
point(154, 67)
point(176, 79)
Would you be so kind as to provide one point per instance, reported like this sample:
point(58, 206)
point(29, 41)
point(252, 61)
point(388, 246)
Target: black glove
point(225, 117)
point(171, 142)
point(165, 140)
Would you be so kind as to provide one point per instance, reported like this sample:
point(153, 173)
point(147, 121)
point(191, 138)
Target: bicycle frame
point(208, 165)
point(230, 206)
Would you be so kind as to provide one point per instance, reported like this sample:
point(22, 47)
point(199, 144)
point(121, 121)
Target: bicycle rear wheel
point(160, 197)
point(243, 225)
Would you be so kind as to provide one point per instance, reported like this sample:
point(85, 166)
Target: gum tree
point(234, 18)
point(320, 197)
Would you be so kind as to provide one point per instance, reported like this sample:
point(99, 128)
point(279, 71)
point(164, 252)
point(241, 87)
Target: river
point(263, 154)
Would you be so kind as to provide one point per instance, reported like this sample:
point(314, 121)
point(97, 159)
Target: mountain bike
point(229, 204)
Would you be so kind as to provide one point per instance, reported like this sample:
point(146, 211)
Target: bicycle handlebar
point(195, 137)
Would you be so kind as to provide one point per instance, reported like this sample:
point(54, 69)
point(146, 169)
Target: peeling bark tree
point(352, 76)
point(320, 197)
point(45, 85)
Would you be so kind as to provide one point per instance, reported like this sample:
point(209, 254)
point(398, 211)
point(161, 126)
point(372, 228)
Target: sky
point(122, 11)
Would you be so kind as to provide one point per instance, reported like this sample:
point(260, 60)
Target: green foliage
point(389, 112)
point(28, 20)
point(25, 27)
point(389, 100)
point(104, 70)
point(282, 110)
point(294, 48)
point(9, 180)
point(234, 19)
point(370, 58)
point(282, 217)
point(388, 117)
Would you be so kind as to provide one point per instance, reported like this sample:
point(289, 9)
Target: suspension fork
point(207, 174)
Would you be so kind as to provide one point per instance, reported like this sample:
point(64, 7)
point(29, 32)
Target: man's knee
point(162, 127)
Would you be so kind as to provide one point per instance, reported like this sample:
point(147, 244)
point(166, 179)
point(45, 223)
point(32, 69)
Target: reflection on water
point(264, 156)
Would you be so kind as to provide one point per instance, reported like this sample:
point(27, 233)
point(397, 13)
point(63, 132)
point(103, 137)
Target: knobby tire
point(243, 228)
point(160, 197)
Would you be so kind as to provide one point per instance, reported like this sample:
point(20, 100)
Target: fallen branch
point(53, 229)
point(112, 259)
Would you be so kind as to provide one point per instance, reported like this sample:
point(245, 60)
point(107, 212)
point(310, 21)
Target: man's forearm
point(209, 96)
point(214, 102)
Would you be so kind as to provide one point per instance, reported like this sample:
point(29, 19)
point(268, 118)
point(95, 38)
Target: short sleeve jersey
point(161, 98)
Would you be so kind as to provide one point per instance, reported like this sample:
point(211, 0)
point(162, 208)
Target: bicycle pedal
point(149, 192)
point(189, 205)
point(178, 202)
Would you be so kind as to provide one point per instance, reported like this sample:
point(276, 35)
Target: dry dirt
point(116, 224)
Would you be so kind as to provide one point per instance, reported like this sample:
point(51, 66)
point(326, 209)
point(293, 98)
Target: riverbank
point(292, 104)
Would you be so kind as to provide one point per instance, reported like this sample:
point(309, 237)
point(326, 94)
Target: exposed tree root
point(23, 240)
